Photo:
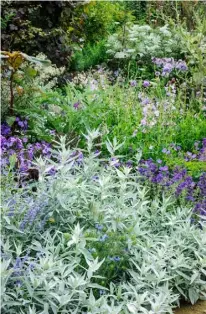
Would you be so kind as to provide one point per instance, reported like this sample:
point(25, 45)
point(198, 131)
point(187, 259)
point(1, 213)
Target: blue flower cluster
point(18, 145)
point(169, 64)
point(178, 178)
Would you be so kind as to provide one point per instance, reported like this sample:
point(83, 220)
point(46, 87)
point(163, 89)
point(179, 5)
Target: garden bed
point(103, 189)
point(198, 308)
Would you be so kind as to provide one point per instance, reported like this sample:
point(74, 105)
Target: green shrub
point(89, 56)
point(103, 18)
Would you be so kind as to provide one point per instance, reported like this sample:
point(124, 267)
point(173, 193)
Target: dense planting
point(103, 187)
point(95, 226)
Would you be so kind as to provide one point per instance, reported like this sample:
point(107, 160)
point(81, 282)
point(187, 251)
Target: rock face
point(198, 308)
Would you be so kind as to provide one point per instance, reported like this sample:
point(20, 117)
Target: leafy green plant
point(104, 18)
point(89, 56)
point(118, 111)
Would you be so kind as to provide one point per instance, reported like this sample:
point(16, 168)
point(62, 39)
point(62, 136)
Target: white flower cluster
point(47, 75)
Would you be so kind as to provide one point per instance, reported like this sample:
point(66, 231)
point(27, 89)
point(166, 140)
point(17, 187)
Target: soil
point(198, 308)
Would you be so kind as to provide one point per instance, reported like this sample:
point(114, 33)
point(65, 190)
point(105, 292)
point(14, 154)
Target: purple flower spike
point(5, 129)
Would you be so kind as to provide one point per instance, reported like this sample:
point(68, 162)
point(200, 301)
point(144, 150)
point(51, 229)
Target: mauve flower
point(145, 101)
point(143, 122)
point(115, 162)
point(30, 153)
point(146, 84)
point(11, 141)
point(167, 68)
point(97, 152)
point(158, 178)
point(202, 184)
point(157, 73)
point(133, 83)
point(129, 163)
point(200, 208)
point(11, 152)
point(116, 259)
point(19, 144)
point(165, 168)
point(23, 124)
point(24, 139)
point(181, 65)
point(5, 129)
point(52, 171)
point(76, 105)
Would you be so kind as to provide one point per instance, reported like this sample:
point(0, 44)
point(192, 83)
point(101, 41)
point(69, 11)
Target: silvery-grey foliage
point(143, 41)
point(46, 235)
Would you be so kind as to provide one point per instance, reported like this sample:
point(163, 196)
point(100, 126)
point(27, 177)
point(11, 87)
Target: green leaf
point(31, 72)
point(10, 120)
point(36, 60)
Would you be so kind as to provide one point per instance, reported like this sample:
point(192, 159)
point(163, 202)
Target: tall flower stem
point(11, 93)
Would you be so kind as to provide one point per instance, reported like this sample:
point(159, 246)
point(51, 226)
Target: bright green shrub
point(89, 56)
point(102, 18)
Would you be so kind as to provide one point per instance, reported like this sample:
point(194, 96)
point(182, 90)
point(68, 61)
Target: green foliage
point(179, 11)
point(103, 18)
point(5, 20)
point(138, 9)
point(89, 56)
point(194, 167)
point(117, 111)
